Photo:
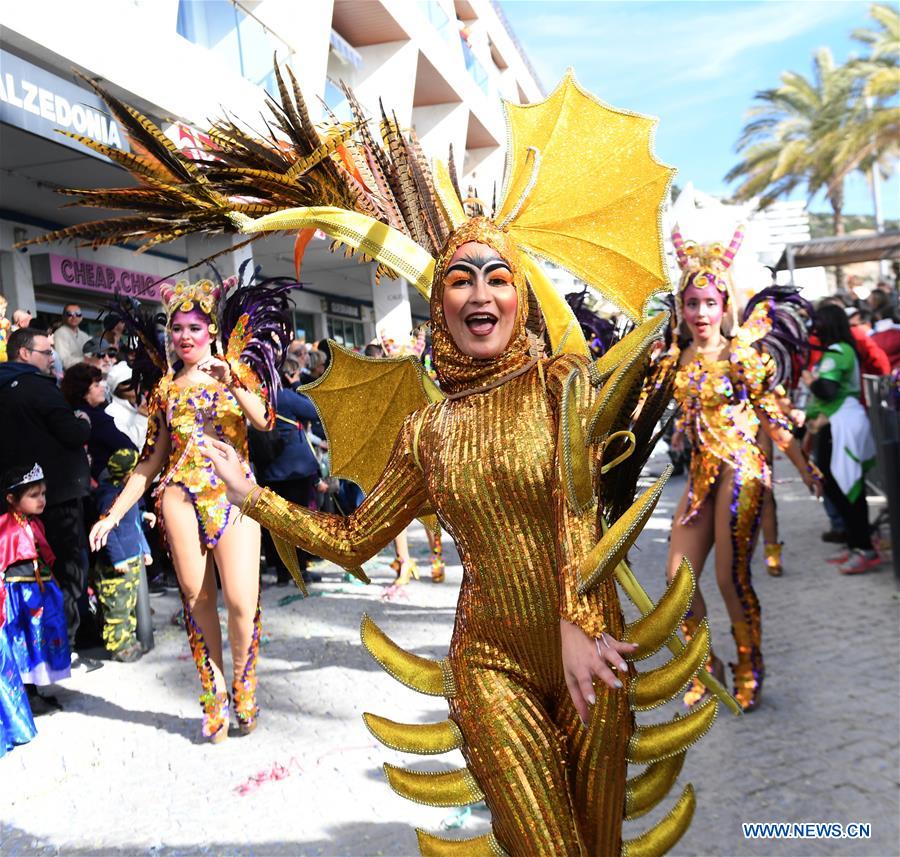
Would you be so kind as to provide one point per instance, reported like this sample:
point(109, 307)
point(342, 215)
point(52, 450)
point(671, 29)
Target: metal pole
point(789, 253)
point(143, 612)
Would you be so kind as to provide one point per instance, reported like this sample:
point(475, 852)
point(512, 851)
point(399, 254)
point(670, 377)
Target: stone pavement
point(122, 770)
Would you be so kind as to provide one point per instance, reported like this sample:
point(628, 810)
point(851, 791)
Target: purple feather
point(788, 339)
point(267, 302)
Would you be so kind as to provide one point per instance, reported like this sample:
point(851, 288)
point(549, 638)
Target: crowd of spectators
point(69, 404)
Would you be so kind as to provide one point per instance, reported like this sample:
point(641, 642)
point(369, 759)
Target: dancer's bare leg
point(194, 570)
point(237, 556)
point(693, 541)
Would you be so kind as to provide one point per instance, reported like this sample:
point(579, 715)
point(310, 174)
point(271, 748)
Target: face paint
point(703, 310)
point(479, 300)
point(190, 336)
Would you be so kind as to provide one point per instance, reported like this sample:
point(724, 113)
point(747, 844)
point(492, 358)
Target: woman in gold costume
point(207, 394)
point(725, 391)
point(514, 453)
point(526, 646)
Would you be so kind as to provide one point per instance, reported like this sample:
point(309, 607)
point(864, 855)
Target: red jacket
point(16, 544)
point(889, 342)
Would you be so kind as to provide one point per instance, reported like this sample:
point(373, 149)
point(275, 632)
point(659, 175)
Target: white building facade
point(440, 66)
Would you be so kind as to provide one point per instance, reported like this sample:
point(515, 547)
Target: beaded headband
point(203, 295)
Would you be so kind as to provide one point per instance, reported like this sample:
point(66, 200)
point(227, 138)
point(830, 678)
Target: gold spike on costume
point(647, 789)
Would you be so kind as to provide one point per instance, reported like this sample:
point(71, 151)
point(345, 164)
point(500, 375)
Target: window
point(336, 102)
point(304, 326)
point(441, 21)
point(222, 27)
point(475, 68)
point(346, 332)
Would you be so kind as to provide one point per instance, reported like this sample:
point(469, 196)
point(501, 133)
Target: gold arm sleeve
point(391, 505)
point(577, 530)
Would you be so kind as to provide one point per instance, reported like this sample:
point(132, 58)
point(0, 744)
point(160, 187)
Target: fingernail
point(622, 667)
point(591, 698)
point(617, 683)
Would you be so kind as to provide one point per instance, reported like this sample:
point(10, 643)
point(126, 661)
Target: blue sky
point(696, 65)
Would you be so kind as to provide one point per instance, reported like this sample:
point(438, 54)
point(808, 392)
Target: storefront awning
point(842, 250)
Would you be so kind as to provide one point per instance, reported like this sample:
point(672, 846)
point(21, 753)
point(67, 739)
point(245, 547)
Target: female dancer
point(724, 388)
point(205, 396)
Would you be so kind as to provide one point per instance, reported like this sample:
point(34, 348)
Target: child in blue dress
point(35, 622)
point(16, 722)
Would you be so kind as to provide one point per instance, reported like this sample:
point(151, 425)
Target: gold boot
point(749, 670)
point(772, 552)
point(696, 691)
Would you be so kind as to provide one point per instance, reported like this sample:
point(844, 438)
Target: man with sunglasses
point(69, 340)
point(38, 425)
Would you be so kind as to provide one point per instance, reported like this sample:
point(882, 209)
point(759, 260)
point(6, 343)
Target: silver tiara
point(33, 475)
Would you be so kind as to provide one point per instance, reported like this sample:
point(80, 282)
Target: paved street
point(122, 769)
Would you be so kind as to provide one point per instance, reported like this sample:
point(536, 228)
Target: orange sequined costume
point(723, 402)
point(191, 413)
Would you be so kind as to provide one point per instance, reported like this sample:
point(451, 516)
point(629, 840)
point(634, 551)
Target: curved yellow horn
point(359, 231)
point(652, 743)
point(638, 340)
point(435, 788)
point(562, 326)
point(648, 788)
point(660, 839)
point(649, 689)
point(622, 389)
point(480, 846)
point(424, 738)
point(603, 558)
point(653, 630)
point(426, 676)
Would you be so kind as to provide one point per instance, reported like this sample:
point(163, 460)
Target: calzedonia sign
point(51, 269)
point(43, 103)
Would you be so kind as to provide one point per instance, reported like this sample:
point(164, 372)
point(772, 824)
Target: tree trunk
point(836, 198)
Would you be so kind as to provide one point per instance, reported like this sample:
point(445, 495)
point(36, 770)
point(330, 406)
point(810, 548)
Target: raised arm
point(348, 541)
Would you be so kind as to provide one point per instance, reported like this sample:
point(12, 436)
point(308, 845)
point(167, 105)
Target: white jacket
point(128, 420)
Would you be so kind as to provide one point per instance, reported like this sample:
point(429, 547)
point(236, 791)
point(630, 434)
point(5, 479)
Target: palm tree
point(793, 136)
point(872, 139)
point(881, 69)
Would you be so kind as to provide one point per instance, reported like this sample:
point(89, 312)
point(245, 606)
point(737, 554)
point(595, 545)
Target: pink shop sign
point(82, 274)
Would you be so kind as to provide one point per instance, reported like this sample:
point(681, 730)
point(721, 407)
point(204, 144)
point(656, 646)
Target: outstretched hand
point(584, 659)
point(229, 469)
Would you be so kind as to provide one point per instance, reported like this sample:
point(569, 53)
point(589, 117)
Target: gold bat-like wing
point(363, 402)
point(585, 191)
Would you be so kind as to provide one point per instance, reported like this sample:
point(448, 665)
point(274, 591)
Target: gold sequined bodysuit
point(486, 463)
point(191, 413)
point(488, 459)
